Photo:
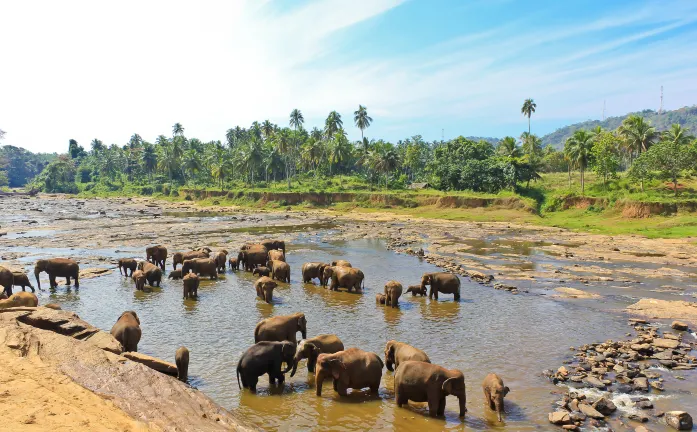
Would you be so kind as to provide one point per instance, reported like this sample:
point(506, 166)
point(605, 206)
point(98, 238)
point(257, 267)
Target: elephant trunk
point(388, 365)
point(463, 403)
point(499, 407)
point(303, 332)
point(319, 379)
point(295, 366)
point(36, 274)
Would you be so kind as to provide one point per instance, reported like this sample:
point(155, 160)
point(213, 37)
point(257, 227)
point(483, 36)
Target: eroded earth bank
point(538, 307)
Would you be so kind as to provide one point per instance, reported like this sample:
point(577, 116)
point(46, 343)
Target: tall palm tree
point(638, 134)
point(97, 145)
point(528, 108)
point(332, 124)
point(578, 148)
point(149, 158)
point(362, 119)
point(508, 147)
point(267, 129)
point(283, 145)
point(678, 135)
point(296, 122)
point(177, 129)
point(340, 150)
point(532, 144)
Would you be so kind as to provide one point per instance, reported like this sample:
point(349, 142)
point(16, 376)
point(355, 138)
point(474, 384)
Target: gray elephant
point(341, 263)
point(275, 255)
point(57, 267)
point(494, 392)
point(126, 264)
point(343, 277)
point(274, 244)
point(180, 257)
point(425, 382)
point(7, 280)
point(234, 263)
point(399, 352)
point(254, 255)
point(201, 266)
point(156, 255)
point(220, 259)
point(311, 348)
point(191, 282)
point(312, 270)
point(265, 286)
point(139, 279)
point(417, 290)
point(153, 273)
point(280, 328)
point(280, 270)
point(22, 280)
point(127, 331)
point(393, 291)
point(181, 359)
point(261, 271)
point(175, 274)
point(264, 357)
point(447, 283)
point(19, 299)
point(380, 299)
point(351, 369)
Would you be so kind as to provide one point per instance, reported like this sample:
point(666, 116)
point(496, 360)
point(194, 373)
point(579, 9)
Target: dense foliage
point(18, 166)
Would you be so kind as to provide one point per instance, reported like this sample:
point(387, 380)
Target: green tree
point(177, 129)
point(528, 109)
point(670, 159)
point(332, 124)
point(678, 135)
point(605, 155)
point(578, 150)
point(508, 147)
point(362, 119)
point(638, 135)
point(641, 169)
point(340, 150)
point(532, 145)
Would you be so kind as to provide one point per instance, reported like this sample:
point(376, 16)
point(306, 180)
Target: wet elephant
point(264, 357)
point(446, 283)
point(57, 267)
point(22, 280)
point(380, 299)
point(261, 271)
point(494, 392)
point(344, 277)
point(254, 255)
point(351, 369)
point(175, 274)
point(265, 286)
point(7, 280)
point(20, 299)
point(311, 348)
point(393, 291)
point(234, 263)
point(127, 331)
point(275, 255)
point(139, 278)
point(201, 266)
point(153, 274)
point(181, 359)
point(280, 270)
point(274, 244)
point(312, 270)
point(126, 264)
point(280, 328)
point(417, 290)
point(191, 283)
point(220, 259)
point(156, 255)
point(180, 257)
point(399, 352)
point(425, 382)
point(341, 263)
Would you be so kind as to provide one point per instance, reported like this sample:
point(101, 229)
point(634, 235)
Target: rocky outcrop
point(152, 362)
point(665, 309)
point(60, 340)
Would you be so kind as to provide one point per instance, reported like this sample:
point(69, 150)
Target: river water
point(516, 336)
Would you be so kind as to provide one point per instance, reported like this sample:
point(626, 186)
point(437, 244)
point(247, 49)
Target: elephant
point(201, 266)
point(311, 348)
point(417, 290)
point(254, 255)
point(139, 278)
point(280, 270)
point(53, 306)
point(341, 263)
point(21, 279)
point(220, 259)
point(241, 258)
point(7, 280)
point(180, 257)
point(191, 282)
point(156, 255)
point(393, 291)
point(265, 357)
point(234, 263)
point(380, 298)
point(127, 331)
point(207, 250)
point(351, 369)
point(343, 277)
point(20, 299)
point(274, 244)
point(264, 286)
point(153, 274)
point(311, 270)
point(261, 271)
point(181, 359)
point(494, 392)
point(399, 352)
point(280, 328)
point(175, 274)
point(425, 382)
point(447, 283)
point(275, 255)
point(126, 264)
point(57, 267)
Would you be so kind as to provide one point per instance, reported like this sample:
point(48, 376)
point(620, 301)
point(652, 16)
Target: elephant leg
point(399, 398)
point(341, 389)
point(334, 385)
point(457, 296)
point(375, 388)
point(67, 281)
point(441, 406)
point(52, 281)
point(77, 281)
point(253, 384)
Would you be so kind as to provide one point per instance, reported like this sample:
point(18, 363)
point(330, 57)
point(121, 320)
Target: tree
point(508, 147)
point(638, 135)
point(670, 159)
point(362, 119)
point(332, 124)
point(605, 152)
point(578, 148)
point(528, 108)
point(149, 158)
point(532, 145)
point(641, 170)
point(178, 129)
point(283, 145)
point(340, 150)
point(678, 135)
point(267, 129)
point(97, 146)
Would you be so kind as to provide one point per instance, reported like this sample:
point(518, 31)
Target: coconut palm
point(528, 108)
point(296, 119)
point(178, 129)
point(678, 135)
point(191, 163)
point(283, 144)
point(362, 119)
point(332, 124)
point(532, 145)
point(578, 149)
point(508, 147)
point(267, 129)
point(97, 145)
point(638, 134)
point(339, 151)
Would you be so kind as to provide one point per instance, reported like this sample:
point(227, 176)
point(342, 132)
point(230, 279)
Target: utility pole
point(442, 135)
point(660, 110)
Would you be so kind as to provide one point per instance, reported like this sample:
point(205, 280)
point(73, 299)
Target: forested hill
point(18, 166)
point(686, 117)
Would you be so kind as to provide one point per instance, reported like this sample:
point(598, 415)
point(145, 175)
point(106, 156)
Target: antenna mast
point(660, 110)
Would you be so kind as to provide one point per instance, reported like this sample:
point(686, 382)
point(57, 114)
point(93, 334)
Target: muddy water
point(486, 331)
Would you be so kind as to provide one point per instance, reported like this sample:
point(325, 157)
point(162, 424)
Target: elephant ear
point(448, 385)
point(337, 367)
point(506, 390)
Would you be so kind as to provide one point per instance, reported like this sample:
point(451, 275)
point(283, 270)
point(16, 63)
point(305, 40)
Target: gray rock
point(559, 418)
point(641, 384)
point(590, 411)
point(594, 382)
point(604, 406)
point(679, 325)
point(679, 420)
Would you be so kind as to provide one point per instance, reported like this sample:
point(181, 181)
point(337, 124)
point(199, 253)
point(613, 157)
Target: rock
point(479, 276)
point(577, 416)
point(634, 321)
point(644, 404)
point(641, 429)
point(594, 382)
point(590, 411)
point(573, 405)
point(679, 325)
point(679, 420)
point(559, 418)
point(565, 292)
point(657, 385)
point(53, 306)
point(604, 406)
point(641, 384)
point(663, 355)
point(665, 343)
point(105, 341)
point(638, 417)
point(563, 371)
point(91, 273)
point(152, 362)
point(570, 427)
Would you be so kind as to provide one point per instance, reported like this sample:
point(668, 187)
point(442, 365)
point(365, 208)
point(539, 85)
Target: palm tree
point(678, 135)
point(283, 145)
point(267, 129)
point(532, 144)
point(332, 124)
point(362, 119)
point(97, 145)
point(149, 159)
point(192, 163)
point(296, 119)
point(339, 151)
point(528, 108)
point(508, 147)
point(638, 134)
point(177, 129)
point(578, 148)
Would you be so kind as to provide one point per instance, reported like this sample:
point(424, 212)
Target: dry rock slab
point(152, 362)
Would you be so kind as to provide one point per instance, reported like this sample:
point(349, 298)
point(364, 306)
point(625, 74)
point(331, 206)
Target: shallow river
point(486, 331)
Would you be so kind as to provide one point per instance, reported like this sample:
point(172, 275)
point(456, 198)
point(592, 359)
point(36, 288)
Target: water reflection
point(439, 310)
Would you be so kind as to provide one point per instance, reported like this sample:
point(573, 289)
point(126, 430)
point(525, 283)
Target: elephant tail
point(256, 332)
point(238, 376)
point(382, 365)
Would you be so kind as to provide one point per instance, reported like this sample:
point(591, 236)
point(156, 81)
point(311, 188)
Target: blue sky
point(84, 69)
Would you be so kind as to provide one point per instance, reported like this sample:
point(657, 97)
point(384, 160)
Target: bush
point(146, 190)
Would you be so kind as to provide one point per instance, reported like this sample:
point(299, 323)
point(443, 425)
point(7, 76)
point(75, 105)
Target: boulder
point(679, 325)
point(105, 341)
point(641, 384)
point(559, 418)
point(152, 362)
point(679, 420)
point(590, 411)
point(604, 406)
point(657, 385)
point(665, 343)
point(594, 382)
point(478, 276)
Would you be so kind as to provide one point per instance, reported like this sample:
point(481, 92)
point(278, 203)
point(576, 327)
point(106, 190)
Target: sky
point(437, 68)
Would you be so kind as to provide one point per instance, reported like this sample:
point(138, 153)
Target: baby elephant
point(265, 358)
point(181, 358)
point(416, 290)
point(126, 264)
point(494, 392)
point(380, 298)
point(139, 278)
point(261, 271)
point(425, 382)
point(264, 286)
point(127, 331)
point(234, 264)
point(175, 274)
point(399, 352)
point(393, 291)
point(21, 279)
point(191, 282)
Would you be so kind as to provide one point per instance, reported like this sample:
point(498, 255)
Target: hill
point(686, 117)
